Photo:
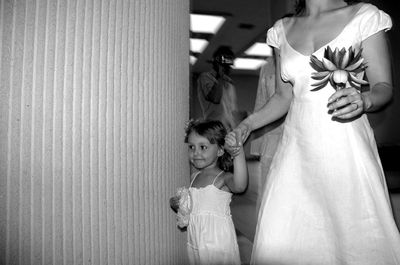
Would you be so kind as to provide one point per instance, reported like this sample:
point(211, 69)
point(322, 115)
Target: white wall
point(93, 99)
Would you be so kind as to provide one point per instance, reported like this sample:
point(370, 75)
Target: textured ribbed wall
point(93, 98)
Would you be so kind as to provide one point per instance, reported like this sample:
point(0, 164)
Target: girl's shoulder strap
point(194, 175)
point(219, 174)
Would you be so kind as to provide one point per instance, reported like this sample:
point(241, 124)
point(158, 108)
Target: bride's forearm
point(274, 109)
point(377, 97)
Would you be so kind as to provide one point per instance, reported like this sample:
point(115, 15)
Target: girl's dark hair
point(215, 132)
point(300, 5)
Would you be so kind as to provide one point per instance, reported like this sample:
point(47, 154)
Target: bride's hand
point(235, 139)
point(346, 103)
point(231, 144)
point(242, 132)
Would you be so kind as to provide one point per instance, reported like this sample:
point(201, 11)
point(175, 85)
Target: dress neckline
point(197, 173)
point(209, 186)
point(329, 42)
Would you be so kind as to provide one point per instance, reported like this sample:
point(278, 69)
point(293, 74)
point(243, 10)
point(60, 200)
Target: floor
point(245, 247)
point(395, 198)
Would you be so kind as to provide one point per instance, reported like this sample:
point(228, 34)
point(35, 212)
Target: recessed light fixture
point(248, 64)
point(198, 45)
point(205, 23)
point(259, 49)
point(192, 59)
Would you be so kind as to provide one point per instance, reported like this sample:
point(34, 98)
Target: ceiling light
point(198, 45)
point(259, 49)
point(192, 59)
point(205, 23)
point(248, 64)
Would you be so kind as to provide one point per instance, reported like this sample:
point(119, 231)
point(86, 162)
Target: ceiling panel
point(246, 23)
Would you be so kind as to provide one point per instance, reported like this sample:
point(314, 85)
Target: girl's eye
point(191, 147)
point(203, 147)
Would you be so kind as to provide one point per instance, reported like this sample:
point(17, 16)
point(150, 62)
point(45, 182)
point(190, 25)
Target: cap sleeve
point(373, 21)
point(273, 36)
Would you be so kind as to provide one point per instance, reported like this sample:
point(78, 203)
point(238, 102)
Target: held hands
point(232, 144)
point(346, 103)
point(242, 132)
point(235, 139)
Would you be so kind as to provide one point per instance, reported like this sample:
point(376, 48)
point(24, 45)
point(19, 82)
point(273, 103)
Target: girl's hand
point(174, 203)
point(346, 103)
point(232, 144)
point(242, 132)
point(235, 139)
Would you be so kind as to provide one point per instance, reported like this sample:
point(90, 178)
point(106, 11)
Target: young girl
point(211, 233)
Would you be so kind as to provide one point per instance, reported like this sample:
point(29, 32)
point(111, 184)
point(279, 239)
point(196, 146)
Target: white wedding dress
point(326, 199)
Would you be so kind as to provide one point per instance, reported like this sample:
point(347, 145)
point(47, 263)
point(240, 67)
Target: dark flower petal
point(328, 54)
point(355, 57)
point(342, 53)
point(318, 87)
point(319, 75)
point(360, 69)
point(316, 64)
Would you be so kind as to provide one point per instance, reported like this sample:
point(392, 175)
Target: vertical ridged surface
point(93, 100)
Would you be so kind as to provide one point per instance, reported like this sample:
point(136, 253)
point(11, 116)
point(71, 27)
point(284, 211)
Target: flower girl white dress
point(211, 233)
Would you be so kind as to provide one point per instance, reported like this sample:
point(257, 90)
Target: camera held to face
point(224, 59)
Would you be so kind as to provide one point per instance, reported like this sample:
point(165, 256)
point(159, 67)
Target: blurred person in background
point(216, 92)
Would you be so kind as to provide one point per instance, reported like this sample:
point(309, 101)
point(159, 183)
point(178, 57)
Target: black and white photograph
point(199, 132)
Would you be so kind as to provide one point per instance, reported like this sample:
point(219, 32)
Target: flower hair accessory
point(338, 67)
point(188, 124)
point(185, 204)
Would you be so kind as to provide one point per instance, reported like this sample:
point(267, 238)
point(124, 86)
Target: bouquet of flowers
point(182, 203)
point(338, 67)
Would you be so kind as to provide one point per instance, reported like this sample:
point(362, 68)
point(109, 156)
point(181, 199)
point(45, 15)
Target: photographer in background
point(217, 94)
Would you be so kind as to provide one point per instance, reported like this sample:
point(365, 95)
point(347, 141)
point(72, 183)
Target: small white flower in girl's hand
point(182, 203)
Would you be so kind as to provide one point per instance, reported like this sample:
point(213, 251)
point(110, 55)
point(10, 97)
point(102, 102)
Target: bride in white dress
point(326, 199)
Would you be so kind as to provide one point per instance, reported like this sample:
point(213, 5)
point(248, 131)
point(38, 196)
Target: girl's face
point(202, 153)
